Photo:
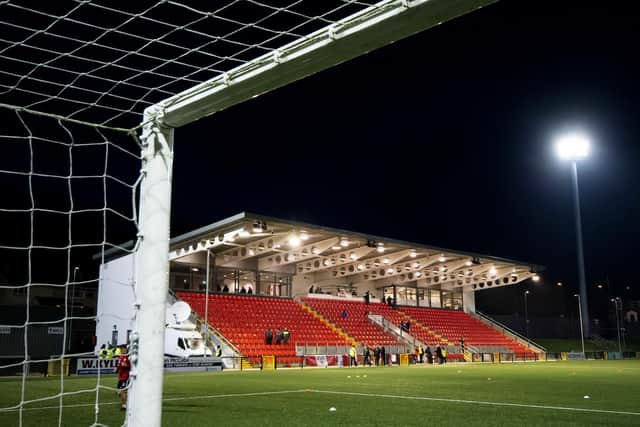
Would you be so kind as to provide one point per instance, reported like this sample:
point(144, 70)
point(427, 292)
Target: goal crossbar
point(376, 26)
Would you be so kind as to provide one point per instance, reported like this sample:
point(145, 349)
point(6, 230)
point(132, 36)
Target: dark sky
point(445, 139)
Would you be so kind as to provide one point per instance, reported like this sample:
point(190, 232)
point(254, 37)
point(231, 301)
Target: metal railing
point(505, 330)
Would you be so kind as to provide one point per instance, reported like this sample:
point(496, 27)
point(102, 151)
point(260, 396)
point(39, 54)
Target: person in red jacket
point(123, 367)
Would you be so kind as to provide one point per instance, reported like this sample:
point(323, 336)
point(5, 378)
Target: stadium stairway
point(356, 324)
point(242, 321)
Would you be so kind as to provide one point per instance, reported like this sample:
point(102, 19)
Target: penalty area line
point(477, 402)
point(168, 399)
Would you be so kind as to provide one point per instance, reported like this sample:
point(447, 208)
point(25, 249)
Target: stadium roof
point(253, 241)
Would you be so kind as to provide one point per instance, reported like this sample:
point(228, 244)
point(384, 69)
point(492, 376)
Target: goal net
point(90, 94)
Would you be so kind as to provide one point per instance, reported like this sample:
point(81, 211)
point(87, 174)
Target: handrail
point(390, 327)
point(507, 331)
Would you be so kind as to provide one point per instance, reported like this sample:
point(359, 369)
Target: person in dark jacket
point(383, 355)
point(429, 355)
point(268, 336)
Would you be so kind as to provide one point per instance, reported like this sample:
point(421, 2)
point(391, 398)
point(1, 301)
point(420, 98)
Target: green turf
point(456, 394)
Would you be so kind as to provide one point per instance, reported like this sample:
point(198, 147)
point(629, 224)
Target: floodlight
point(572, 147)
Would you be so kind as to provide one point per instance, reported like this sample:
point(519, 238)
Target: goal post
point(374, 27)
point(152, 268)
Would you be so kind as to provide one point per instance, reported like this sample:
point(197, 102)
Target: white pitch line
point(169, 399)
point(477, 402)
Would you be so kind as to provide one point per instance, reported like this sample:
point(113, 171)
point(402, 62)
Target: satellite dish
point(179, 312)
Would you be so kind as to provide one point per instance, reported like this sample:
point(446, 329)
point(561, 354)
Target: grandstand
point(249, 272)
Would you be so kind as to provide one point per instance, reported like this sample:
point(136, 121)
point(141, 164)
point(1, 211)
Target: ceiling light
point(413, 253)
point(443, 268)
point(442, 258)
point(344, 242)
point(195, 269)
point(380, 247)
point(386, 260)
point(257, 227)
point(315, 250)
point(353, 255)
point(304, 235)
point(294, 241)
point(336, 247)
point(535, 278)
point(251, 252)
point(326, 262)
point(418, 274)
point(416, 265)
point(244, 233)
point(390, 270)
point(360, 267)
point(468, 263)
point(492, 271)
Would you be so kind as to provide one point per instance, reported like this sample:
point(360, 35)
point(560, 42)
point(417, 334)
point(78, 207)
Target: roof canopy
point(252, 241)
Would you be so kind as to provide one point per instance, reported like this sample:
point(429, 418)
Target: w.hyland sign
point(171, 364)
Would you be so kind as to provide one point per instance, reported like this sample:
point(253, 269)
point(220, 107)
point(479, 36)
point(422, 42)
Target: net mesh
point(69, 197)
point(97, 62)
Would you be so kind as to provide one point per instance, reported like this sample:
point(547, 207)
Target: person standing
point(383, 355)
point(278, 336)
point(439, 354)
point(343, 314)
point(268, 336)
point(218, 351)
point(366, 360)
point(376, 355)
point(123, 367)
point(444, 354)
point(429, 355)
point(285, 336)
point(352, 356)
point(367, 297)
point(420, 353)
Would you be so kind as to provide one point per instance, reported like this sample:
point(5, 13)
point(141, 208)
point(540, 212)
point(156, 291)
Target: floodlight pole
point(206, 306)
point(144, 406)
point(617, 301)
point(73, 293)
point(584, 311)
point(581, 330)
point(526, 316)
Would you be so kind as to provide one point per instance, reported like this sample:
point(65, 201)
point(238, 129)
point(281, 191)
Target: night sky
point(445, 138)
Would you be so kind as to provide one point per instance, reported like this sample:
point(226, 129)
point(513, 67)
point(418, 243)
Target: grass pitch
point(457, 394)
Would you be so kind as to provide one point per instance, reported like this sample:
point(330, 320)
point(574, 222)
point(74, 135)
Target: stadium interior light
point(344, 242)
point(442, 258)
point(468, 263)
point(413, 253)
point(492, 271)
point(573, 146)
point(294, 241)
point(304, 235)
point(380, 247)
point(535, 278)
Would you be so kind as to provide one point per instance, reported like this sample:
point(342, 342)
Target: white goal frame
point(373, 27)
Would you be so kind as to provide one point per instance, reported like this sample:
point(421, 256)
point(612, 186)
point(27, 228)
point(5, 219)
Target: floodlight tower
point(574, 147)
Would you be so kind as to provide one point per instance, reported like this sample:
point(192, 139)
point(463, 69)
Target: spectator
point(343, 314)
point(311, 289)
point(285, 336)
point(268, 336)
point(249, 291)
point(420, 353)
point(444, 354)
point(383, 355)
point(439, 354)
point(366, 297)
point(278, 336)
point(389, 301)
point(376, 355)
point(243, 291)
point(218, 351)
point(225, 289)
